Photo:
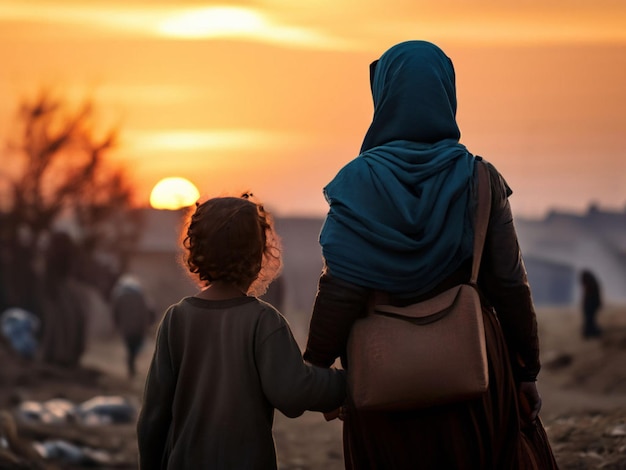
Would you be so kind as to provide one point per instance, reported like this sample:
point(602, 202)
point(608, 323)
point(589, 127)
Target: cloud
point(328, 25)
point(191, 140)
point(87, 17)
point(245, 23)
point(190, 23)
point(509, 27)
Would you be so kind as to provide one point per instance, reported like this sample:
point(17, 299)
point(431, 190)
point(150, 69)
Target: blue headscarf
point(400, 215)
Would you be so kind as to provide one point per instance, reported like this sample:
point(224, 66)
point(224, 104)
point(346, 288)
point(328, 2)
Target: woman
point(400, 221)
point(64, 305)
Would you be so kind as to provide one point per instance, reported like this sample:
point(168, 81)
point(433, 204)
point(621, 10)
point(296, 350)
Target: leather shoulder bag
point(428, 353)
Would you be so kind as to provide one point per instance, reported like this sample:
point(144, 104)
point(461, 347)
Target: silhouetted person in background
point(591, 303)
point(4, 290)
point(64, 305)
point(132, 317)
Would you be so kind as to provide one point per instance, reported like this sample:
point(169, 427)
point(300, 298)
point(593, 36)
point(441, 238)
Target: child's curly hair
point(232, 239)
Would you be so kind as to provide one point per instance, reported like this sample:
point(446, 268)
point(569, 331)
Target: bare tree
point(56, 170)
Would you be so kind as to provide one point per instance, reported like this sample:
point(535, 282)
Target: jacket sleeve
point(337, 305)
point(291, 385)
point(154, 420)
point(504, 282)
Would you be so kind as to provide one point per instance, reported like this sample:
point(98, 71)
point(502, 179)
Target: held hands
point(530, 402)
point(337, 413)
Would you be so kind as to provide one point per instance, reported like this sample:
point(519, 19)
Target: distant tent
point(551, 283)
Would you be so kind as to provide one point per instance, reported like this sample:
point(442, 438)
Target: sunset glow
point(214, 21)
point(273, 96)
point(198, 140)
point(239, 22)
point(376, 20)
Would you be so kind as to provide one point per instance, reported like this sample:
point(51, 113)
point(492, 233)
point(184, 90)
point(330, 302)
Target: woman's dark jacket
point(502, 281)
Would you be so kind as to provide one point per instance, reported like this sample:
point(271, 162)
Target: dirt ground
point(583, 384)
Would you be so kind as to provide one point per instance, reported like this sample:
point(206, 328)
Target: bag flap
point(437, 304)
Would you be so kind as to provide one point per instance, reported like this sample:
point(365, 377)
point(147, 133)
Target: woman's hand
point(530, 402)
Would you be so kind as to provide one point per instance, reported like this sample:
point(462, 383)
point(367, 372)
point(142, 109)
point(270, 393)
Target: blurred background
point(117, 116)
point(102, 100)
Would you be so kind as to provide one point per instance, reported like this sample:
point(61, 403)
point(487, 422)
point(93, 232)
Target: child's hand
point(337, 413)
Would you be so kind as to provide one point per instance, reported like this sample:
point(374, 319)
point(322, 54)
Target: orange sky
point(273, 96)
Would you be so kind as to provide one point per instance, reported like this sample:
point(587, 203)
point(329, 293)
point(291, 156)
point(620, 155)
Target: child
point(224, 360)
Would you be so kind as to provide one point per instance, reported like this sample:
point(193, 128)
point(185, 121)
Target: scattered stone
point(617, 431)
point(555, 361)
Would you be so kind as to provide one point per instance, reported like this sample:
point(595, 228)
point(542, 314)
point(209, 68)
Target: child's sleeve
point(291, 385)
point(156, 413)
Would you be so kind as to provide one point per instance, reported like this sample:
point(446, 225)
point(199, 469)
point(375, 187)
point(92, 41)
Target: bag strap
point(481, 217)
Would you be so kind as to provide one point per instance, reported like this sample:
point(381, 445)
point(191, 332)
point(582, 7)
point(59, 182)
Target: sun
point(173, 193)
